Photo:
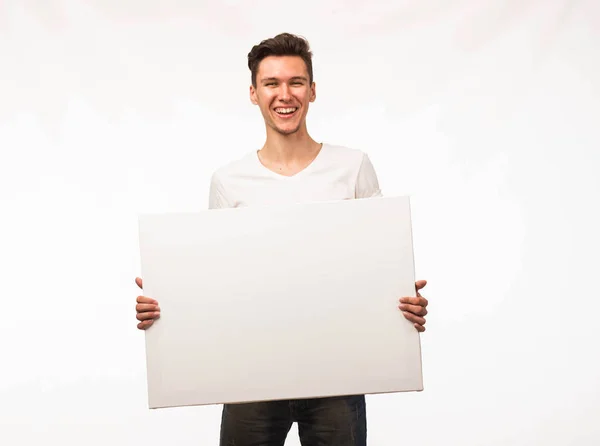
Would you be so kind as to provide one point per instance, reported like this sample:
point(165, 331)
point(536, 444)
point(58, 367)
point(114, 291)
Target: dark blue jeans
point(336, 421)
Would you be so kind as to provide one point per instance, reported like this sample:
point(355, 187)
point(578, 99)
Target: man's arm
point(414, 308)
point(217, 198)
point(367, 183)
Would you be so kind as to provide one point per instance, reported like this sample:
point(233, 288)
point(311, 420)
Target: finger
point(148, 315)
point(419, 327)
point(138, 282)
point(414, 309)
point(421, 301)
point(145, 324)
point(141, 308)
point(420, 284)
point(414, 318)
point(146, 300)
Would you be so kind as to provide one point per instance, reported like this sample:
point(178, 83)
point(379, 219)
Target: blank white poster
point(280, 302)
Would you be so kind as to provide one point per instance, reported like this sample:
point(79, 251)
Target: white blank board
point(280, 302)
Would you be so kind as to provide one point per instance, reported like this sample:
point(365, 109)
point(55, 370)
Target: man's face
point(283, 93)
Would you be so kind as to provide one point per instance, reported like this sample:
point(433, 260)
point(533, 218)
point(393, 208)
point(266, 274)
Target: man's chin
point(287, 130)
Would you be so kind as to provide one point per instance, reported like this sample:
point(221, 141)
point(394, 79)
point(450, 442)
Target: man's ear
point(253, 97)
point(313, 92)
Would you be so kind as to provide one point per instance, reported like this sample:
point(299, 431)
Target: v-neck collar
point(304, 171)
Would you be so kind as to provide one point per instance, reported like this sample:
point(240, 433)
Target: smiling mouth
point(286, 112)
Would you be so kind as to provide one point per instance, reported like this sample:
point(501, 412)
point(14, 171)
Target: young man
point(291, 167)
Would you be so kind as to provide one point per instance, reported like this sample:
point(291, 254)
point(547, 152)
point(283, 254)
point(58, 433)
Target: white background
point(485, 112)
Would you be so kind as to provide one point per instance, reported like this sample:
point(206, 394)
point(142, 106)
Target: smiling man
point(292, 167)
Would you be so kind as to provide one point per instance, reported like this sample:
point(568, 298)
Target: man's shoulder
point(343, 150)
point(344, 155)
point(238, 166)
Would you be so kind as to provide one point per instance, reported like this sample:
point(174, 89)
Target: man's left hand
point(415, 308)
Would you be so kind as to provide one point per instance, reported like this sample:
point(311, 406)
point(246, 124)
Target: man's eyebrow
point(295, 78)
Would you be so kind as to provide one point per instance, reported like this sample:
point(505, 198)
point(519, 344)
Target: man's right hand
point(147, 309)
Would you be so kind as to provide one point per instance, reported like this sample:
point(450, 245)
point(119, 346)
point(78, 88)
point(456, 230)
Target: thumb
point(420, 284)
point(138, 281)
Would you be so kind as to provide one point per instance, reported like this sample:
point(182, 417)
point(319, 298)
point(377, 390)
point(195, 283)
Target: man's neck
point(287, 149)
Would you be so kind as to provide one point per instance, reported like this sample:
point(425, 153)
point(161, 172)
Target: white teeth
point(285, 110)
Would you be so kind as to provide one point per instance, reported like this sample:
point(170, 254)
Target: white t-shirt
point(337, 173)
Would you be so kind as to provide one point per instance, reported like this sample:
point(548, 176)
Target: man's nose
point(284, 93)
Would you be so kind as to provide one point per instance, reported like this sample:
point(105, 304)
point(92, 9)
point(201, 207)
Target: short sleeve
point(367, 183)
point(217, 198)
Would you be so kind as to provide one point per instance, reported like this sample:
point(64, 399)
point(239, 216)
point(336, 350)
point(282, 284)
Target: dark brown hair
point(284, 44)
